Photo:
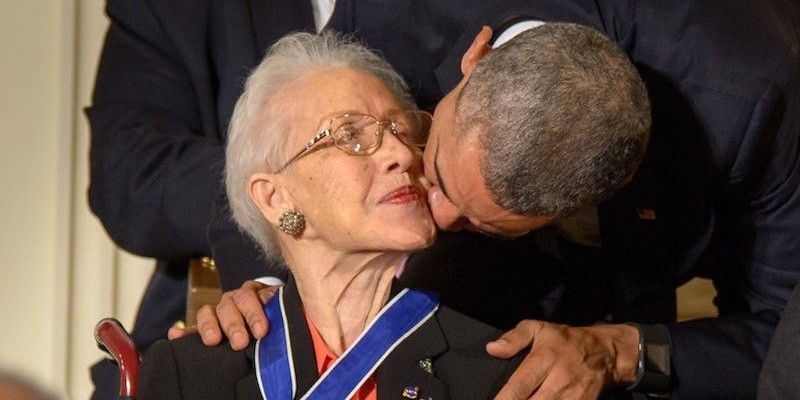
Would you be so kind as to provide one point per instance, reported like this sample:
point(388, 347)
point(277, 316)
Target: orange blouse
point(325, 357)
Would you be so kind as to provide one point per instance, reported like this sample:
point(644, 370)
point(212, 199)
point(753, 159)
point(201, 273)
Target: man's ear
point(476, 51)
point(266, 191)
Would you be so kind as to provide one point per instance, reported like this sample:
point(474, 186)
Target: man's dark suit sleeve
point(721, 358)
point(155, 162)
point(708, 55)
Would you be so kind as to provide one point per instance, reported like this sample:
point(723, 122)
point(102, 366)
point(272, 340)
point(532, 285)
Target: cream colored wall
point(31, 65)
point(60, 273)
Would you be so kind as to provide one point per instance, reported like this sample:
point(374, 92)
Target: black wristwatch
point(653, 367)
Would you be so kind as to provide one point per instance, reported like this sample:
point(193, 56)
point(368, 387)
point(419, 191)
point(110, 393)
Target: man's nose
point(446, 215)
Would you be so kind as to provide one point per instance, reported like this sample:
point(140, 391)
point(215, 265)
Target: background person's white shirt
point(323, 9)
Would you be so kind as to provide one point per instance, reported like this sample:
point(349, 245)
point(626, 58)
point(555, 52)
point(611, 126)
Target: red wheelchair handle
point(115, 340)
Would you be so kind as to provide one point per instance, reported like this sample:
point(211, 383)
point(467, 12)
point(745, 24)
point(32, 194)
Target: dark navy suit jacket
point(717, 194)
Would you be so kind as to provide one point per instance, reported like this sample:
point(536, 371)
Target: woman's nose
point(395, 156)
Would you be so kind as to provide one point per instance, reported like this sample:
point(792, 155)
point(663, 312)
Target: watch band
point(653, 369)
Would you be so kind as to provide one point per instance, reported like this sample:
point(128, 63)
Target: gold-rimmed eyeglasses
point(362, 134)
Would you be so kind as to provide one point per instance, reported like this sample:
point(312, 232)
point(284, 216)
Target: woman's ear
point(479, 48)
point(269, 196)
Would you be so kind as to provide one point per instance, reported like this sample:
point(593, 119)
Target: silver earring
point(292, 222)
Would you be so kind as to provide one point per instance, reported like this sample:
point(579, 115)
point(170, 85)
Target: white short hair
point(257, 135)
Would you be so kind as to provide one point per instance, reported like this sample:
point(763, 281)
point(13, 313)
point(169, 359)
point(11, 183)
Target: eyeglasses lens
point(360, 134)
point(355, 133)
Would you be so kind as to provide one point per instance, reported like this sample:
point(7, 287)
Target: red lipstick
point(402, 195)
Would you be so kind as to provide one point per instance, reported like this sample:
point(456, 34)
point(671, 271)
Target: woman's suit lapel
point(404, 368)
point(247, 387)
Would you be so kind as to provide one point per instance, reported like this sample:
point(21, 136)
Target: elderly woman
point(322, 170)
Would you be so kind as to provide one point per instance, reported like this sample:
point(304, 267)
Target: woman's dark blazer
point(462, 370)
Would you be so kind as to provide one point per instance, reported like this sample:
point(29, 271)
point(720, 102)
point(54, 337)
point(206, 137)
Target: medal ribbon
point(403, 315)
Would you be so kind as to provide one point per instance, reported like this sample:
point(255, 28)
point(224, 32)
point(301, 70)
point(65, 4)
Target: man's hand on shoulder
point(567, 362)
point(237, 311)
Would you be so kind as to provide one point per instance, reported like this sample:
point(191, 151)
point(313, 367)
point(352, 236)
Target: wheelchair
point(112, 338)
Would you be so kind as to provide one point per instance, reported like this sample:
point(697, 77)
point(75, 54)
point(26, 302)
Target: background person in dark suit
point(714, 196)
point(357, 189)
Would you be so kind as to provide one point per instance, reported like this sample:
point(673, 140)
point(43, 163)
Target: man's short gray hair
point(564, 119)
point(257, 137)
